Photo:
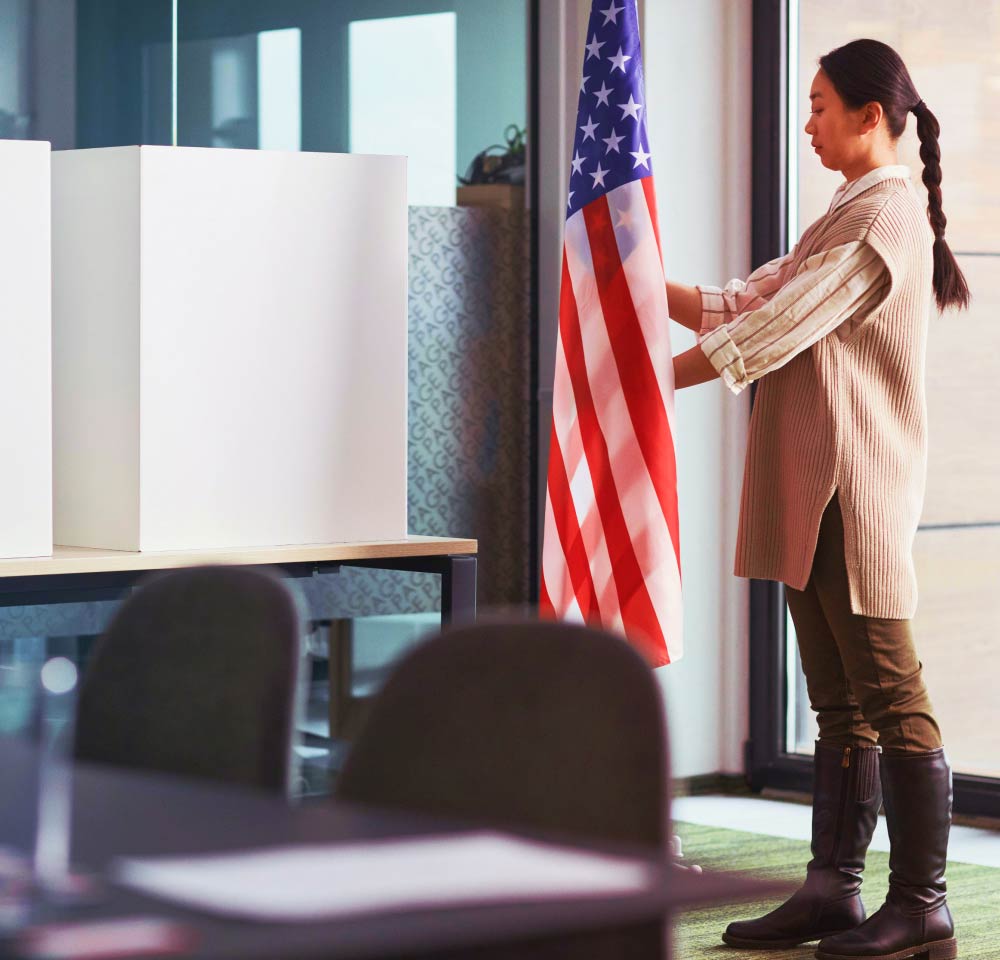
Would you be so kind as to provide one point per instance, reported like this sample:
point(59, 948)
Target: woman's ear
point(871, 117)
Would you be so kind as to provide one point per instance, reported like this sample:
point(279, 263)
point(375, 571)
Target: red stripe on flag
point(570, 536)
point(650, 191)
point(633, 596)
point(545, 601)
point(635, 369)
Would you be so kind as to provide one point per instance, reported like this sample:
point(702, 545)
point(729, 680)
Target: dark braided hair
point(864, 71)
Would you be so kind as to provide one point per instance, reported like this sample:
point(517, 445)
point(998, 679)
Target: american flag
point(611, 547)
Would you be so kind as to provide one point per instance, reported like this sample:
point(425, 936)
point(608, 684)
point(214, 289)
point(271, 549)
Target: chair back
point(532, 725)
point(196, 675)
point(537, 725)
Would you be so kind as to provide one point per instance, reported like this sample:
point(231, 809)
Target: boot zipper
point(845, 763)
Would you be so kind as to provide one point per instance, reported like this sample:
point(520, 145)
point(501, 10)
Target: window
point(952, 60)
point(951, 55)
point(403, 98)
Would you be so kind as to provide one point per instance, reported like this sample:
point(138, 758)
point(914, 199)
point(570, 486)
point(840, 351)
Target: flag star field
point(611, 146)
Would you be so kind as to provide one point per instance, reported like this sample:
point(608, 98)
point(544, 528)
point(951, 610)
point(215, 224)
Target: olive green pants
point(864, 680)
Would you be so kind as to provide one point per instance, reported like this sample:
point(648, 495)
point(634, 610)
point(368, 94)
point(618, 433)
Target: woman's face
point(836, 133)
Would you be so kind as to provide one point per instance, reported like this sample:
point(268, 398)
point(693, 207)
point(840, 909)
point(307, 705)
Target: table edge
point(70, 560)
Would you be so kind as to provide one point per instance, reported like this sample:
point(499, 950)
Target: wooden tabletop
point(88, 560)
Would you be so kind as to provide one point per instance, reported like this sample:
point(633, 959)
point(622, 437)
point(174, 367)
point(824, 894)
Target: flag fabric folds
point(611, 545)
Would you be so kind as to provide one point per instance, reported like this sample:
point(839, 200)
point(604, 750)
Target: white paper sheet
point(327, 882)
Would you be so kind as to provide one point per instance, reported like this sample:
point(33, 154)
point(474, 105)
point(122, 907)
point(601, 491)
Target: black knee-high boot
point(915, 919)
point(846, 800)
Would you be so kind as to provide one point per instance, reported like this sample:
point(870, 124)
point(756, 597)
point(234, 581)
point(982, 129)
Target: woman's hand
point(684, 305)
point(692, 366)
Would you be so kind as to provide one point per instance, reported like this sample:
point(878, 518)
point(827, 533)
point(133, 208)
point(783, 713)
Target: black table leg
point(458, 590)
point(458, 580)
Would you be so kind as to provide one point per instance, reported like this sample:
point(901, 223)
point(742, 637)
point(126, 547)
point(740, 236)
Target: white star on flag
point(599, 174)
point(613, 142)
point(602, 95)
point(611, 15)
point(588, 129)
point(625, 220)
point(577, 163)
point(618, 60)
point(593, 48)
point(583, 84)
point(640, 157)
point(630, 109)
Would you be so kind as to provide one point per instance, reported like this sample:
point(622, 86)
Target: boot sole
point(785, 944)
point(937, 950)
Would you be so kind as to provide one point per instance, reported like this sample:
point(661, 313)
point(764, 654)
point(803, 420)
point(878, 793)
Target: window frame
point(534, 54)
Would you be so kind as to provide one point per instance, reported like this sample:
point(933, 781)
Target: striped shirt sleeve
point(827, 289)
point(720, 304)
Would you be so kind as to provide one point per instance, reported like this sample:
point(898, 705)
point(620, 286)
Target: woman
point(832, 493)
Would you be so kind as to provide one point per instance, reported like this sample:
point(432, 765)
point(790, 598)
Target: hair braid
point(950, 287)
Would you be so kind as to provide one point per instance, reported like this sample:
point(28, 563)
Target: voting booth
point(25, 351)
point(229, 347)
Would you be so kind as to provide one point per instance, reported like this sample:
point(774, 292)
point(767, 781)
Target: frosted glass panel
point(403, 98)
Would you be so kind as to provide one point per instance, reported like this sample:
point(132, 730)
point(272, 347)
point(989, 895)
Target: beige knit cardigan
point(848, 415)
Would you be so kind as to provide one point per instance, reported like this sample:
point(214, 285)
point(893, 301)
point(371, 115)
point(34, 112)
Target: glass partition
point(436, 80)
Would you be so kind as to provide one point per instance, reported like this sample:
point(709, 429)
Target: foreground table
point(119, 813)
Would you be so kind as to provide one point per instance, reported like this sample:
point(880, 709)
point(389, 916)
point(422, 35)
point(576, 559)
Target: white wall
point(697, 58)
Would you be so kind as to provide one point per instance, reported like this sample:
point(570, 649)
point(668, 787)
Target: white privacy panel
point(25, 351)
point(267, 335)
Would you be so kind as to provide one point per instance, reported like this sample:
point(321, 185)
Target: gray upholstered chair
point(531, 725)
point(196, 675)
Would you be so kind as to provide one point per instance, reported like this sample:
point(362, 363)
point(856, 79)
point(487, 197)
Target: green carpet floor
point(973, 894)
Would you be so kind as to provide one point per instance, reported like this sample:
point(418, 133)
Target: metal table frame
point(457, 572)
